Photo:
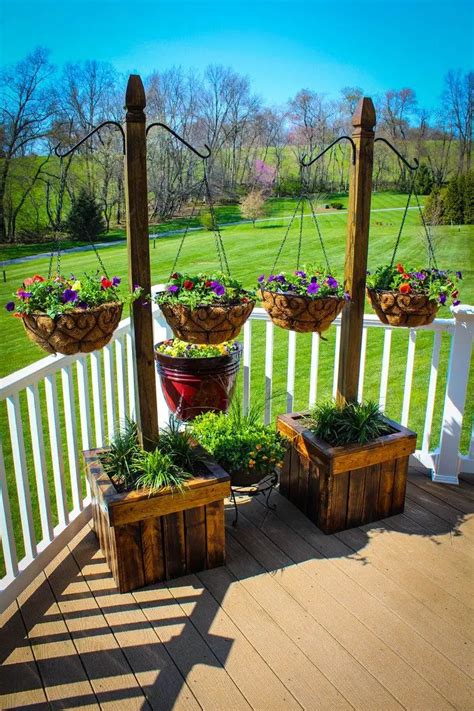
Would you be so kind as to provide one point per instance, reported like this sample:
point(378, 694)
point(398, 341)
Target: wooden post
point(138, 248)
point(360, 193)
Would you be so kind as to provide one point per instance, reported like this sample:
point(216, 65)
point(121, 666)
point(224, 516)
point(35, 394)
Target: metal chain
point(397, 241)
point(218, 236)
point(188, 226)
point(300, 238)
point(431, 254)
point(282, 244)
point(57, 238)
point(318, 229)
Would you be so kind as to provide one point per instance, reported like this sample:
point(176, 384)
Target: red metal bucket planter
point(192, 386)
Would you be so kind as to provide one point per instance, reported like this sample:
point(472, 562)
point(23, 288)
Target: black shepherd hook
point(97, 128)
point(180, 138)
point(410, 167)
point(341, 138)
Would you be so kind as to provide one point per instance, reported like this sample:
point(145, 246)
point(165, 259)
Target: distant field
point(251, 252)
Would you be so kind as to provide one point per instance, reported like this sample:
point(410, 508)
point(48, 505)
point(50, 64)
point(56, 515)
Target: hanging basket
point(77, 331)
point(209, 324)
point(408, 310)
point(301, 314)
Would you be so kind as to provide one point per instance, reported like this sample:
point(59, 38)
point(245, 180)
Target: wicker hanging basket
point(77, 331)
point(409, 310)
point(210, 324)
point(301, 314)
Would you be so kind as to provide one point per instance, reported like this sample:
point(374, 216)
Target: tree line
point(254, 146)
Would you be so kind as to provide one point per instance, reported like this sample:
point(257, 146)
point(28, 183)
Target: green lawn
point(251, 251)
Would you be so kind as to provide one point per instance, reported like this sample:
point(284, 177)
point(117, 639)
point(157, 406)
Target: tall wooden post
point(138, 247)
point(360, 193)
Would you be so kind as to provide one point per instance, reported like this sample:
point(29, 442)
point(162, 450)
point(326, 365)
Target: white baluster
point(313, 373)
point(363, 353)
point(290, 374)
point(56, 448)
point(84, 402)
point(247, 364)
point(337, 348)
point(71, 437)
point(39, 460)
point(408, 377)
point(109, 391)
point(121, 378)
point(269, 328)
point(131, 378)
point(97, 398)
point(21, 474)
point(387, 343)
point(6, 526)
point(430, 403)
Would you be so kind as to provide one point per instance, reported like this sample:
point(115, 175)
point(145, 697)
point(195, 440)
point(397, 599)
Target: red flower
point(400, 268)
point(37, 277)
point(106, 283)
point(405, 288)
point(244, 300)
point(188, 285)
point(405, 276)
point(208, 283)
point(175, 275)
point(454, 294)
point(29, 281)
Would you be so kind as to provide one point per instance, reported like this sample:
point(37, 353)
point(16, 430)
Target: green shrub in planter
point(347, 423)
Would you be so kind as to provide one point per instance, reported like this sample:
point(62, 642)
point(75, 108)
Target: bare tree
point(458, 102)
point(27, 109)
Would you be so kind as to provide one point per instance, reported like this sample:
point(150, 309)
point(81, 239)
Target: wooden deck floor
point(379, 617)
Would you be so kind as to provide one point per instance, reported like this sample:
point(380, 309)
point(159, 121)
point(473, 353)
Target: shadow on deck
point(376, 617)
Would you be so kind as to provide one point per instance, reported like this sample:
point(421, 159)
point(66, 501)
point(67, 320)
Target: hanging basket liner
point(208, 324)
point(409, 310)
point(300, 313)
point(77, 331)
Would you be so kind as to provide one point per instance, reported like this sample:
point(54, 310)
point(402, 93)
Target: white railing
point(61, 405)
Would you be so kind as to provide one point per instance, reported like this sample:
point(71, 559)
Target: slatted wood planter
point(149, 538)
point(342, 487)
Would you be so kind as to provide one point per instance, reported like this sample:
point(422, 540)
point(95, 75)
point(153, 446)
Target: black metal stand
point(264, 487)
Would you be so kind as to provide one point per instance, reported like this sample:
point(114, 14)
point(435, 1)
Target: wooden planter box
point(343, 487)
point(148, 538)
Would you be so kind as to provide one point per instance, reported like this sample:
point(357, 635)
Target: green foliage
point(424, 180)
point(239, 442)
point(454, 201)
point(289, 185)
point(180, 349)
point(313, 282)
point(453, 204)
point(347, 423)
point(57, 295)
point(207, 221)
point(85, 219)
point(469, 199)
point(434, 210)
point(437, 285)
point(204, 289)
point(170, 463)
point(337, 205)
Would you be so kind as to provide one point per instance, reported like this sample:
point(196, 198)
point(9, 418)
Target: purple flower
point(83, 305)
point(116, 281)
point(331, 282)
point(300, 274)
point(456, 303)
point(347, 296)
point(459, 275)
point(173, 288)
point(136, 286)
point(313, 288)
point(280, 278)
point(68, 295)
point(218, 288)
point(442, 298)
point(261, 278)
point(314, 279)
point(271, 277)
point(420, 276)
point(10, 306)
point(23, 294)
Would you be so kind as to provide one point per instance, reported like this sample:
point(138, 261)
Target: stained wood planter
point(149, 538)
point(342, 487)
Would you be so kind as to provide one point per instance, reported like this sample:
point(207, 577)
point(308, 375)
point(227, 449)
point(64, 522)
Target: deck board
point(380, 616)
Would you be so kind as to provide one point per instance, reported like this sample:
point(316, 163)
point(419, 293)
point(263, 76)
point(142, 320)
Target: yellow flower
point(264, 457)
point(252, 454)
point(251, 463)
point(259, 446)
point(76, 286)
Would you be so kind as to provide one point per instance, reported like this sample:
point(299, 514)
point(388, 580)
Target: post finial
point(364, 114)
point(135, 95)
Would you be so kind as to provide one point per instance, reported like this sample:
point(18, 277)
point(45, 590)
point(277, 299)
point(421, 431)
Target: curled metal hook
point(404, 160)
point(97, 128)
point(305, 164)
point(181, 139)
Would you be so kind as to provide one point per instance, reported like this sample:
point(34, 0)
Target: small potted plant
point(74, 315)
point(306, 301)
point(158, 514)
point(346, 465)
point(402, 296)
point(205, 308)
point(241, 444)
point(197, 378)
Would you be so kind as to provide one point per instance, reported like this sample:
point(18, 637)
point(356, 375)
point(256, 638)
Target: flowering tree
point(253, 205)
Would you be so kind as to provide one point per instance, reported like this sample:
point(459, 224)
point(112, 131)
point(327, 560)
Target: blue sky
point(281, 45)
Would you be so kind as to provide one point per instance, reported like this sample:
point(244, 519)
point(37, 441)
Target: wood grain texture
point(195, 526)
point(357, 246)
point(215, 533)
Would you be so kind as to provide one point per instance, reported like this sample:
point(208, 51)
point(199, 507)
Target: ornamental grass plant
point(347, 423)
